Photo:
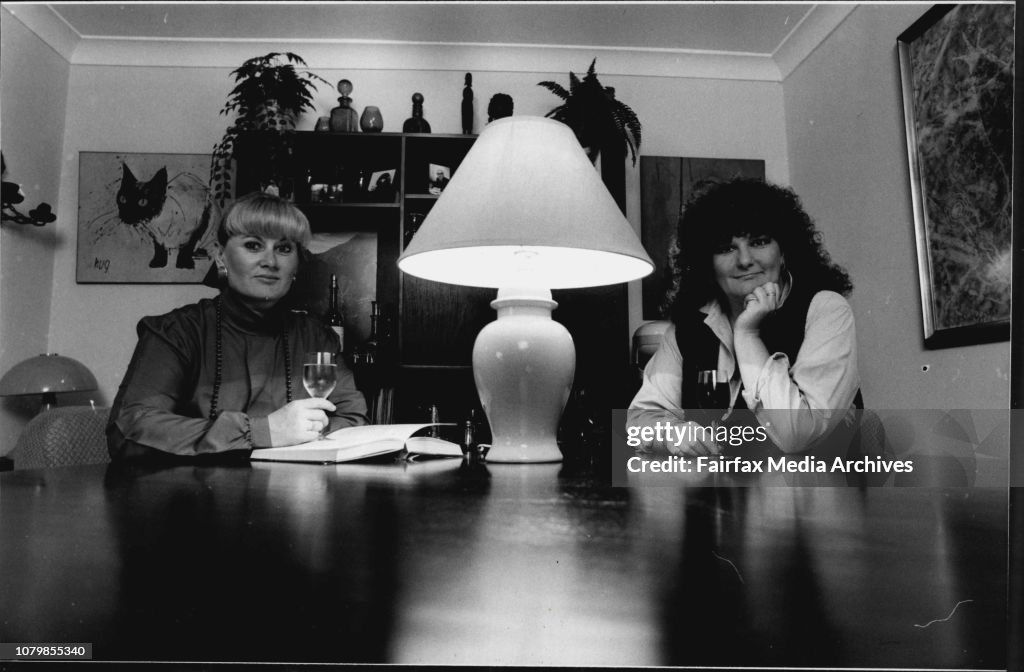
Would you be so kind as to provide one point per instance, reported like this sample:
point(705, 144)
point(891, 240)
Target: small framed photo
point(383, 180)
point(438, 178)
point(334, 194)
point(319, 193)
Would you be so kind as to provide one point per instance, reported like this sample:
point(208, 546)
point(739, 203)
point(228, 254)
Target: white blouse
point(821, 383)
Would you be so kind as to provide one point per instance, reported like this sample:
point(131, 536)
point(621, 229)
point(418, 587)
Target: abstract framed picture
point(956, 70)
point(141, 219)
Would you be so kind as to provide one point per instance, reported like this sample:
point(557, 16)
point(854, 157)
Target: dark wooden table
point(449, 563)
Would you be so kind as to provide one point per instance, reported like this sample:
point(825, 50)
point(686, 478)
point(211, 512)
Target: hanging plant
point(269, 96)
point(594, 115)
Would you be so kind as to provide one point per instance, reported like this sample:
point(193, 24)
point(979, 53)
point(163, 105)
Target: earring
point(222, 272)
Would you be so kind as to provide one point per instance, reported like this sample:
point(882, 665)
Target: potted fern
point(270, 94)
point(592, 112)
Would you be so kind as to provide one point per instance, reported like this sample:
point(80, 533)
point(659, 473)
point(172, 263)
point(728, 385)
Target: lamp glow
point(526, 212)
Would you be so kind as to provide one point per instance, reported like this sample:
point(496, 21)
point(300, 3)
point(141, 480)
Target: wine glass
point(320, 375)
point(712, 390)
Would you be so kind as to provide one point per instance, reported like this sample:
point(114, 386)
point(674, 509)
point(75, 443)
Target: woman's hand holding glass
point(319, 376)
point(305, 420)
point(299, 421)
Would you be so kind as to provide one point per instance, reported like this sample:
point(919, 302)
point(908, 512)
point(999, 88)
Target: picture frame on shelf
point(320, 193)
point(382, 179)
point(956, 72)
point(438, 177)
point(142, 219)
point(382, 186)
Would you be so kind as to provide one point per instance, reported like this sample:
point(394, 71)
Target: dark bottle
point(335, 315)
point(471, 438)
point(366, 353)
point(416, 123)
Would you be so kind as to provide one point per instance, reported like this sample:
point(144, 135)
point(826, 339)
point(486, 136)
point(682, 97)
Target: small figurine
point(500, 106)
point(467, 105)
point(416, 123)
point(343, 117)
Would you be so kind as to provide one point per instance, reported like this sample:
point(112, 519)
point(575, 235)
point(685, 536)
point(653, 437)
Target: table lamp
point(525, 213)
point(47, 375)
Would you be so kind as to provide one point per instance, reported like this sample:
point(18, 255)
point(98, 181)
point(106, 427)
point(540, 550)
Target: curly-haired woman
point(760, 302)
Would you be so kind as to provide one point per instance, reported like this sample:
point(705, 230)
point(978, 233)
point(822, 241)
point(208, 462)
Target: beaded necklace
point(219, 359)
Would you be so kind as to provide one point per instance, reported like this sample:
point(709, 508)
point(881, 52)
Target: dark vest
point(781, 331)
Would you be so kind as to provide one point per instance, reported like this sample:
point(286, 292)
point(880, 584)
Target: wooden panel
point(597, 319)
point(441, 321)
point(665, 185)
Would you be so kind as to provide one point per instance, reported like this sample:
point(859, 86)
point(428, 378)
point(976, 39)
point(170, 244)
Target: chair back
point(646, 340)
point(63, 436)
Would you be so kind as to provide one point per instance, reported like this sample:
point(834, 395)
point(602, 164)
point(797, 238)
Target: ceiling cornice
point(805, 37)
point(48, 26)
point(372, 55)
point(820, 21)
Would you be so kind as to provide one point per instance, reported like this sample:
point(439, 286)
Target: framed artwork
point(666, 183)
point(141, 218)
point(956, 70)
point(438, 178)
point(382, 179)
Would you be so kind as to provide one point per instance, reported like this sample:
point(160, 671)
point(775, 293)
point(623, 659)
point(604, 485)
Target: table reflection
point(446, 562)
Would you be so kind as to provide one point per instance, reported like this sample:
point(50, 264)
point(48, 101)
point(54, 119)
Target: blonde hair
point(264, 215)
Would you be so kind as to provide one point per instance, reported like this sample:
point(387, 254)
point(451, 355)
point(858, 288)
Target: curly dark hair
point(747, 207)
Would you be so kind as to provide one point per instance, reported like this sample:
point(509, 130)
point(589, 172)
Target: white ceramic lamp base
point(523, 365)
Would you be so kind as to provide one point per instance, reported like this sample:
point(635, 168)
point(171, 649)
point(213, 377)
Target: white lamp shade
point(526, 208)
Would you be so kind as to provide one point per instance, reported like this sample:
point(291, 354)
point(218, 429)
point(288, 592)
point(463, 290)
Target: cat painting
point(150, 222)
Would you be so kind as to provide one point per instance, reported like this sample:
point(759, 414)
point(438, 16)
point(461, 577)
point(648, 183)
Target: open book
point(356, 443)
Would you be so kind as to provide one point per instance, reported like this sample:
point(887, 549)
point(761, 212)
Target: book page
point(346, 444)
point(429, 446)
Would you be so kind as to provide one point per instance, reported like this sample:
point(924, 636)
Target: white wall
point(172, 109)
point(34, 80)
point(848, 160)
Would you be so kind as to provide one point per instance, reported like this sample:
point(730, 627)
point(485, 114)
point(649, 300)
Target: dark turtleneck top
point(163, 403)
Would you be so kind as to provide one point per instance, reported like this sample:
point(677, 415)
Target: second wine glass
point(712, 390)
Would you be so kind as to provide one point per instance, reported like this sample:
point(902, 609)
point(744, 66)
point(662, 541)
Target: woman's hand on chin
point(756, 306)
point(299, 421)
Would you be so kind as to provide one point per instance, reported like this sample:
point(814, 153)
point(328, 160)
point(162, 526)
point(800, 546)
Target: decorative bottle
point(416, 123)
point(335, 315)
point(343, 117)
